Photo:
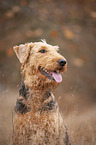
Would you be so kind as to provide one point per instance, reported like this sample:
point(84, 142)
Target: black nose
point(62, 62)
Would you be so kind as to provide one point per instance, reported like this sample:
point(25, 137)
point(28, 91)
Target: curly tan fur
point(38, 120)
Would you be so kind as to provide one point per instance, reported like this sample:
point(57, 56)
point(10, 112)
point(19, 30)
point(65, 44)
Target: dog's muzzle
point(52, 75)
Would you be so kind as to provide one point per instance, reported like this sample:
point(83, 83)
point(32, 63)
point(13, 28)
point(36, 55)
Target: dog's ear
point(22, 51)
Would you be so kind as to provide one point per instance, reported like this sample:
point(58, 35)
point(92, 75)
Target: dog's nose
point(62, 62)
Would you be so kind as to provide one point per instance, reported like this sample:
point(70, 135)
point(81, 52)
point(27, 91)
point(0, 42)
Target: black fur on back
point(49, 106)
point(24, 91)
point(21, 107)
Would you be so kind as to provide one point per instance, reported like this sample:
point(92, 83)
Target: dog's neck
point(26, 92)
point(35, 100)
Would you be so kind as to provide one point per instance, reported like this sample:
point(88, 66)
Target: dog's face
point(41, 64)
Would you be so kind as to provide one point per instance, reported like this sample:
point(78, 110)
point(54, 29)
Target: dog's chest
point(41, 127)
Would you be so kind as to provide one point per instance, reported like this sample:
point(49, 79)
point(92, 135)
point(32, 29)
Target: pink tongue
point(57, 77)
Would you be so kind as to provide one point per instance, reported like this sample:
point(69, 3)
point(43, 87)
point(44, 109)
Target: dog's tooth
point(57, 71)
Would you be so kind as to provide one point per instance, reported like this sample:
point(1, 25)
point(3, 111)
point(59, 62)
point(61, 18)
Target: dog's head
point(41, 64)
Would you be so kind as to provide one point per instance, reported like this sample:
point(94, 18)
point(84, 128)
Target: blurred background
point(70, 24)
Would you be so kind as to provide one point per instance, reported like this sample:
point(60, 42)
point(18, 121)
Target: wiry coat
point(38, 120)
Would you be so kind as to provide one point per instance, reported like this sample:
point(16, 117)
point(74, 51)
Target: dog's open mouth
point(52, 75)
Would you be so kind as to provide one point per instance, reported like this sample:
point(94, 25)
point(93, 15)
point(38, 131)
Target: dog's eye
point(42, 51)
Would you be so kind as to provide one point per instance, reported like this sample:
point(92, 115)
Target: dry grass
point(81, 126)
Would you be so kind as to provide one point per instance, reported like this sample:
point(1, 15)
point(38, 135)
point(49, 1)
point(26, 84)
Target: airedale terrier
point(38, 120)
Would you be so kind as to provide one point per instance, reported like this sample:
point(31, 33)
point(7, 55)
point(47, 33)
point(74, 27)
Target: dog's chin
point(54, 76)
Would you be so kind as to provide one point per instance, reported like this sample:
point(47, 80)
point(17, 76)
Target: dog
point(38, 120)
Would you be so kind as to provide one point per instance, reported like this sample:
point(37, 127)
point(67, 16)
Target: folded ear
point(22, 51)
